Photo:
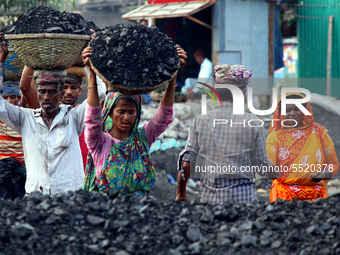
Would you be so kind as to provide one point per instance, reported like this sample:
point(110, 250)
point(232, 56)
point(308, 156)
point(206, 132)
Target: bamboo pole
point(271, 12)
point(329, 55)
point(198, 21)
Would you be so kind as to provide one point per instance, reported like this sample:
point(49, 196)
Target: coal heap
point(134, 56)
point(90, 223)
point(48, 20)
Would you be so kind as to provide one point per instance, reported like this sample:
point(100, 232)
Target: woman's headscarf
point(110, 99)
point(128, 167)
point(276, 125)
point(232, 74)
point(10, 88)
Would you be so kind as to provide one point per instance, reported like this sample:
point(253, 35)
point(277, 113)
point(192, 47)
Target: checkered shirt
point(225, 145)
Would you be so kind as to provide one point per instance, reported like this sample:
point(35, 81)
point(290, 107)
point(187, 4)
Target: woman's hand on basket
point(182, 54)
point(93, 35)
point(87, 52)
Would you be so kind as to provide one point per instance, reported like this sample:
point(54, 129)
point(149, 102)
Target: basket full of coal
point(134, 59)
point(45, 38)
point(85, 222)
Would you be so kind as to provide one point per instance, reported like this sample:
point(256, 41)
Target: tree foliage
point(10, 10)
point(288, 18)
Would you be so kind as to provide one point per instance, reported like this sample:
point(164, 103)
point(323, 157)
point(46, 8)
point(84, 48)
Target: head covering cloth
point(276, 125)
point(49, 77)
point(75, 75)
point(128, 168)
point(232, 74)
point(10, 88)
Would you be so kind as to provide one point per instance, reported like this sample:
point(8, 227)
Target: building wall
point(313, 43)
point(105, 17)
point(241, 32)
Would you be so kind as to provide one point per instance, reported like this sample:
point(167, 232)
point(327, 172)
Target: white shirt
point(205, 75)
point(52, 156)
point(206, 69)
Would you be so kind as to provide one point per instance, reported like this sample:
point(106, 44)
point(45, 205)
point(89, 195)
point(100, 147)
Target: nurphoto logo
point(238, 104)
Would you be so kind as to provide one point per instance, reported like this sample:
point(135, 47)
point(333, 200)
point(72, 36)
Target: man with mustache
point(49, 133)
point(74, 80)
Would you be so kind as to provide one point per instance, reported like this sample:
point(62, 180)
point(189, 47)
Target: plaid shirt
point(234, 144)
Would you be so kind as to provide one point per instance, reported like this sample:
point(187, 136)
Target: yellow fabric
point(300, 152)
point(312, 156)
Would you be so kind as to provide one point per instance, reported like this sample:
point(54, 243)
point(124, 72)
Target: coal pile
point(90, 223)
point(48, 20)
point(134, 56)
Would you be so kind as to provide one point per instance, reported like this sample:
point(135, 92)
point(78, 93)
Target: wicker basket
point(48, 51)
point(79, 61)
point(13, 66)
point(127, 90)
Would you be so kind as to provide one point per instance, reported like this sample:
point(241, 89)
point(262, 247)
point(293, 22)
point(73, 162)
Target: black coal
point(48, 20)
point(90, 223)
point(132, 55)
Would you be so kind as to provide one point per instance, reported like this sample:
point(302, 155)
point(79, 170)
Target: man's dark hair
point(225, 94)
point(142, 20)
point(200, 53)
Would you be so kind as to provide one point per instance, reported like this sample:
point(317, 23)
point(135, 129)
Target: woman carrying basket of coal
point(119, 155)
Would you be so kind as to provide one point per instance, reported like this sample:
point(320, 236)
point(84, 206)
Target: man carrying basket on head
point(50, 134)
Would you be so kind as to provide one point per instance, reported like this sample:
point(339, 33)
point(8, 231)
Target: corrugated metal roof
point(169, 10)
point(92, 4)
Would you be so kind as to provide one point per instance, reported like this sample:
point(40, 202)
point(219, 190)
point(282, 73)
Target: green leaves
point(11, 9)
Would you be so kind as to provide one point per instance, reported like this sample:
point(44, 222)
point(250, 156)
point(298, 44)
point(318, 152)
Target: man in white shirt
point(205, 75)
point(50, 134)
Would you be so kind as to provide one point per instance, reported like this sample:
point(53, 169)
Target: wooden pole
point(271, 10)
point(271, 39)
point(198, 21)
point(329, 55)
